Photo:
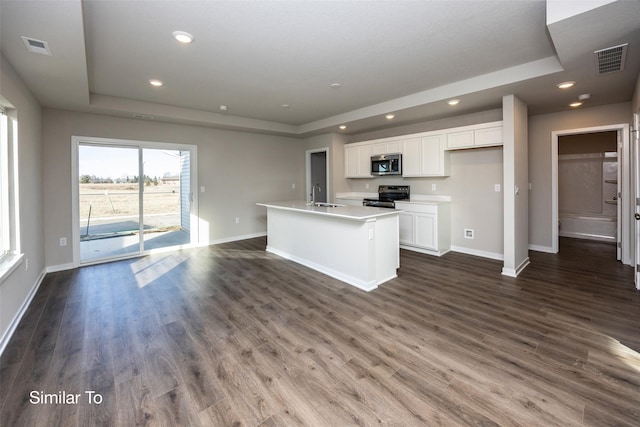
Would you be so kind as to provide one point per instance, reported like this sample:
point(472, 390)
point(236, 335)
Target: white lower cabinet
point(425, 227)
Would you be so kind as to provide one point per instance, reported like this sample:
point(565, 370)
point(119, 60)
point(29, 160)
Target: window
point(9, 239)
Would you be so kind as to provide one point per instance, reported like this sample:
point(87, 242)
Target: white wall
point(15, 289)
point(237, 170)
point(540, 129)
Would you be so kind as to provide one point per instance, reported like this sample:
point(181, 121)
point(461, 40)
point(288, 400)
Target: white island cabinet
point(355, 244)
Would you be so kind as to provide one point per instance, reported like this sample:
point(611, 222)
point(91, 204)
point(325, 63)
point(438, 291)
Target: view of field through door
point(131, 200)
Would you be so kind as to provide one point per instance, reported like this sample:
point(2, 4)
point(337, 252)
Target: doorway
point(317, 175)
point(622, 184)
point(131, 198)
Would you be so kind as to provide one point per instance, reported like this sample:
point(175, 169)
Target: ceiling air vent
point(611, 59)
point(36, 46)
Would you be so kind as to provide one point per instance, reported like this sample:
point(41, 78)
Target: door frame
point(635, 169)
point(76, 141)
point(327, 184)
point(624, 164)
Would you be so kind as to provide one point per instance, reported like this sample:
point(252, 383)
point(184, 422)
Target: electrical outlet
point(496, 188)
point(468, 233)
point(433, 187)
point(63, 241)
point(366, 186)
point(202, 188)
point(293, 186)
point(26, 264)
point(237, 220)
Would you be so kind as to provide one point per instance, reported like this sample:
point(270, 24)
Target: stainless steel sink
point(325, 205)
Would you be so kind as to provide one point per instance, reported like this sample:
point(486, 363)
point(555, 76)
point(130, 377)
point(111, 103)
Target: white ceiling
point(405, 57)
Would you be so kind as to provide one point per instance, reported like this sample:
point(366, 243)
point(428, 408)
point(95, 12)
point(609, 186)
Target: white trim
point(360, 284)
point(625, 184)
point(477, 252)
point(515, 272)
point(8, 265)
point(23, 309)
point(539, 248)
point(140, 145)
point(236, 238)
point(59, 267)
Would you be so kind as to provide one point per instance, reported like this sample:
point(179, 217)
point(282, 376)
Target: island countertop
point(356, 213)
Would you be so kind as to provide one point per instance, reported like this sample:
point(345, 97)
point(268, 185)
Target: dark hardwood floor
point(231, 335)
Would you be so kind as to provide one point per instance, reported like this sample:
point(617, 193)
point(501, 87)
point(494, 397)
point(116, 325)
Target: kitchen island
point(355, 244)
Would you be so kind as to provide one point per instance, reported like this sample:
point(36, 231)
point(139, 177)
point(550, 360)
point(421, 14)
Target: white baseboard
point(361, 284)
point(23, 309)
point(546, 249)
point(476, 252)
point(59, 267)
point(236, 238)
point(514, 272)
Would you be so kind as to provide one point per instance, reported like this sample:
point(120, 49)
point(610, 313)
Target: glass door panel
point(166, 198)
point(109, 201)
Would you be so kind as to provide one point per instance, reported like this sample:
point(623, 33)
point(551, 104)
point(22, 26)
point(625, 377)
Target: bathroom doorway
point(588, 186)
point(590, 205)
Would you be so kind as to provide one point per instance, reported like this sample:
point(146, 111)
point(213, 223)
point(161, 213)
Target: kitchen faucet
point(313, 192)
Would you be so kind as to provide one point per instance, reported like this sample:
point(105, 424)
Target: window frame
point(10, 255)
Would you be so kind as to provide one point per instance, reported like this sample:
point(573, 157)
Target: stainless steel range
point(387, 194)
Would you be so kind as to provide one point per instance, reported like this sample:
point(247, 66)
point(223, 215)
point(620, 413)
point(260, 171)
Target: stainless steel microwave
point(386, 164)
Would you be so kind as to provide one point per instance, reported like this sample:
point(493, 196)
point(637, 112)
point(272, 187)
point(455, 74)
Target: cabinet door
point(431, 155)
point(379, 148)
point(394, 147)
point(357, 161)
point(411, 157)
point(488, 137)
point(426, 231)
point(405, 220)
point(364, 161)
point(350, 162)
point(460, 140)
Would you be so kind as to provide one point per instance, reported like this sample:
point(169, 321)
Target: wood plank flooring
point(230, 335)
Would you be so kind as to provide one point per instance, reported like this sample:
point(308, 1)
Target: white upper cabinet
point(386, 147)
point(484, 135)
point(425, 156)
point(357, 161)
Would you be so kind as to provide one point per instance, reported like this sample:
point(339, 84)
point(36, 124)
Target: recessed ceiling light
point(223, 108)
point(336, 85)
point(155, 83)
point(565, 85)
point(390, 116)
point(575, 104)
point(286, 106)
point(343, 127)
point(183, 37)
point(453, 102)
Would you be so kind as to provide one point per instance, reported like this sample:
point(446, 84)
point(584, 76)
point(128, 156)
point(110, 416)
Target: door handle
point(636, 216)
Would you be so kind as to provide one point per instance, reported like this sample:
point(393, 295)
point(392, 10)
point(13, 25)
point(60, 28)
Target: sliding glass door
point(132, 199)
point(166, 212)
point(109, 201)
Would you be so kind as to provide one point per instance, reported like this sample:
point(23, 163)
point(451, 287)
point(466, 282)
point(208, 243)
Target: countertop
point(357, 213)
point(415, 198)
